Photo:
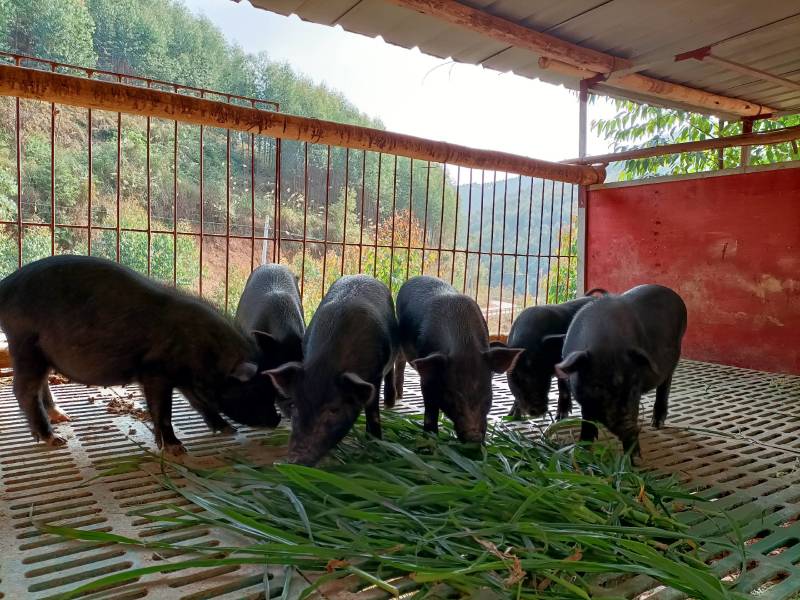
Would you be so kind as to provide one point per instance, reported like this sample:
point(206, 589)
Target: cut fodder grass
point(517, 518)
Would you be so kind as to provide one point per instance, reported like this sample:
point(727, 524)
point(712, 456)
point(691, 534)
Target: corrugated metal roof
point(764, 35)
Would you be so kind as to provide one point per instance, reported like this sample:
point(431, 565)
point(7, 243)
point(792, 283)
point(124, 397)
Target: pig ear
point(571, 363)
point(429, 366)
point(553, 344)
point(244, 371)
point(267, 343)
point(502, 359)
point(642, 358)
point(356, 388)
point(286, 377)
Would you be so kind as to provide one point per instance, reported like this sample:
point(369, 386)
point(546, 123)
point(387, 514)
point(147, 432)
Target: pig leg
point(660, 406)
point(30, 374)
point(588, 428)
point(53, 411)
point(158, 394)
point(564, 400)
point(373, 413)
point(399, 375)
point(515, 412)
point(431, 422)
point(389, 390)
point(211, 417)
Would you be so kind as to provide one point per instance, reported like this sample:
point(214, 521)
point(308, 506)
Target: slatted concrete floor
point(752, 468)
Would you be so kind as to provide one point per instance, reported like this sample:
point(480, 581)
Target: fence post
point(580, 284)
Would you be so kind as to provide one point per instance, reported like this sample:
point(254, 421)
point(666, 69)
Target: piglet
point(100, 323)
point(445, 338)
point(271, 310)
point(618, 348)
point(349, 348)
point(540, 331)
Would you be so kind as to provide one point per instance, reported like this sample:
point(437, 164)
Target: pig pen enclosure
point(195, 188)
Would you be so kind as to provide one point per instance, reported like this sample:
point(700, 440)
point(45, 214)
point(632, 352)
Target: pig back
point(661, 314)
point(271, 303)
point(354, 328)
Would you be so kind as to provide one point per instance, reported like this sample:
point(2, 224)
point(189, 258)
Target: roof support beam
point(663, 90)
point(761, 138)
point(104, 95)
point(515, 35)
point(576, 61)
point(705, 55)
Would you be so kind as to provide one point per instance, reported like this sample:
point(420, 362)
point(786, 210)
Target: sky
point(414, 93)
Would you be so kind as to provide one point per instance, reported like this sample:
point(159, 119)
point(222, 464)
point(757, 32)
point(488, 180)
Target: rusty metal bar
point(539, 247)
point(325, 236)
point(410, 208)
point(305, 218)
point(394, 213)
point(53, 176)
point(227, 212)
point(346, 190)
point(252, 202)
point(528, 247)
point(455, 227)
point(377, 218)
point(361, 212)
point(175, 205)
point(119, 169)
point(19, 184)
point(276, 253)
point(502, 251)
point(516, 248)
point(89, 183)
point(441, 223)
point(149, 200)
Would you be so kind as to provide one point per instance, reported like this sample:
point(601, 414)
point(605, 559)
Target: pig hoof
point(227, 429)
point(54, 440)
point(560, 415)
point(56, 415)
point(174, 449)
point(658, 423)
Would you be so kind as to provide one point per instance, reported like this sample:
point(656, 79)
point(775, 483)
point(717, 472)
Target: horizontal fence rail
point(199, 205)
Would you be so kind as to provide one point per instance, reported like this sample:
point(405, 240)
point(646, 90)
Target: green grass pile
point(518, 518)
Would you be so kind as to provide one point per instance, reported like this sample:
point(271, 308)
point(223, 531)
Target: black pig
point(540, 331)
point(348, 349)
point(271, 310)
point(618, 348)
point(100, 323)
point(444, 336)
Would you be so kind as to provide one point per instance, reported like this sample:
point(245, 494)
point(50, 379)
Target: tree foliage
point(641, 126)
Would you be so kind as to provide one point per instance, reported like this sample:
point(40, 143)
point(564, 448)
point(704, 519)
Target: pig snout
point(303, 455)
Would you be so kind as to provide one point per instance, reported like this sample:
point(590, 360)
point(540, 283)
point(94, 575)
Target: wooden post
point(104, 95)
point(747, 127)
point(663, 90)
point(583, 101)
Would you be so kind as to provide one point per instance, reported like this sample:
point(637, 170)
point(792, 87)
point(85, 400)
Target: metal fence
point(201, 206)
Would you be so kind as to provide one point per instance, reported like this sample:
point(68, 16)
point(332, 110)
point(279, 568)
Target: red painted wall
point(729, 245)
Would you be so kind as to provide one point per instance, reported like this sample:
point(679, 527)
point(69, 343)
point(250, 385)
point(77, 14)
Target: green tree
point(640, 125)
point(60, 30)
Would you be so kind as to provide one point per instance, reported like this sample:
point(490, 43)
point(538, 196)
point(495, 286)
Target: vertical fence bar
point(480, 238)
point(227, 210)
point(583, 102)
point(550, 244)
point(502, 256)
point(539, 247)
point(119, 173)
point(569, 237)
point(149, 199)
point(202, 207)
point(18, 127)
point(394, 212)
point(89, 186)
point(528, 247)
point(325, 235)
point(425, 217)
point(252, 201)
point(276, 254)
point(175, 204)
point(410, 204)
point(305, 218)
point(377, 217)
point(558, 252)
point(346, 190)
point(516, 248)
point(52, 173)
point(441, 223)
point(361, 212)
point(453, 254)
point(491, 246)
point(469, 227)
